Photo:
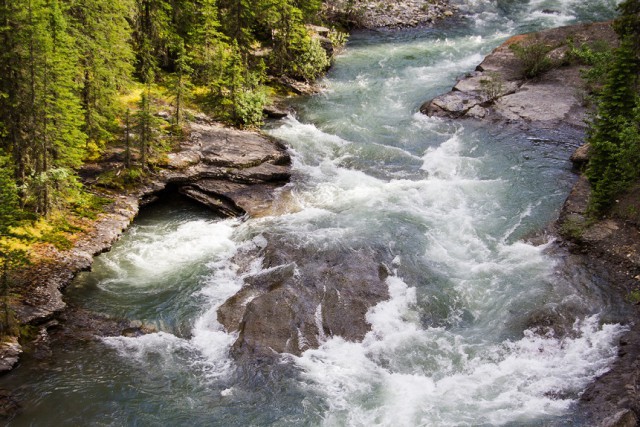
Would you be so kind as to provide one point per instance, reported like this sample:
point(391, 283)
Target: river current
point(452, 202)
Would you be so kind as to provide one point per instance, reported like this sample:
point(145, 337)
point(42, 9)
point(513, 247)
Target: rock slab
point(231, 171)
point(301, 297)
point(499, 91)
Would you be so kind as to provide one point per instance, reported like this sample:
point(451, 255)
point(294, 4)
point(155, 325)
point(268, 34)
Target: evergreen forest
point(80, 76)
point(75, 74)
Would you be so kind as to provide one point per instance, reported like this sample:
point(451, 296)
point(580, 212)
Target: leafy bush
point(249, 105)
point(338, 38)
point(492, 85)
point(312, 61)
point(534, 57)
point(597, 57)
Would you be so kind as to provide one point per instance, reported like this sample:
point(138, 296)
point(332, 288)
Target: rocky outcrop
point(303, 296)
point(498, 89)
point(611, 246)
point(232, 172)
point(373, 14)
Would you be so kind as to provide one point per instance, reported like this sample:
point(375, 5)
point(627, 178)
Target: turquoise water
point(449, 204)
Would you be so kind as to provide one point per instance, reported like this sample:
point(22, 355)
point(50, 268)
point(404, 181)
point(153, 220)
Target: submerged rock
point(303, 296)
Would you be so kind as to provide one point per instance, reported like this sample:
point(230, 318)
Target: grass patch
point(574, 228)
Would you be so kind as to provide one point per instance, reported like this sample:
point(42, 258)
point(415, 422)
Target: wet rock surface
point(10, 351)
point(611, 247)
point(302, 296)
point(373, 14)
point(499, 91)
point(232, 172)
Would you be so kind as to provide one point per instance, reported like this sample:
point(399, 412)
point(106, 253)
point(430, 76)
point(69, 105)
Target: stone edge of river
point(498, 90)
point(230, 171)
point(377, 14)
point(612, 245)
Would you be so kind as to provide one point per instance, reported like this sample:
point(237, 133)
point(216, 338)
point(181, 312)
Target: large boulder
point(303, 296)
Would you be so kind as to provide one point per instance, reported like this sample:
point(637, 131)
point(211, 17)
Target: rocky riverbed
point(499, 92)
point(232, 172)
point(372, 14)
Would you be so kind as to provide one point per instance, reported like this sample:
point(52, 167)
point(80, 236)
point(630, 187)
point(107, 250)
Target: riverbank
point(500, 92)
point(374, 14)
point(231, 172)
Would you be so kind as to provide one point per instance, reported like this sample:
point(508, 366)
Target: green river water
point(452, 202)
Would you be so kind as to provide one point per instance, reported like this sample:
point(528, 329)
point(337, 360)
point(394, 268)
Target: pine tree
point(42, 111)
point(61, 142)
point(102, 35)
point(151, 34)
point(613, 136)
point(238, 20)
point(14, 87)
point(207, 45)
point(10, 258)
point(147, 127)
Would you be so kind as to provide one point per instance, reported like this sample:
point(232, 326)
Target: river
point(452, 203)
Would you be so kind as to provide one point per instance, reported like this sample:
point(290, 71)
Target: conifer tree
point(103, 36)
point(43, 117)
point(144, 122)
point(238, 19)
point(613, 136)
point(10, 258)
point(14, 87)
point(151, 34)
point(58, 128)
point(207, 44)
point(180, 82)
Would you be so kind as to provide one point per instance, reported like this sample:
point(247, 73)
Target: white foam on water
point(307, 142)
point(152, 253)
point(208, 348)
point(445, 380)
point(405, 373)
point(446, 161)
point(159, 348)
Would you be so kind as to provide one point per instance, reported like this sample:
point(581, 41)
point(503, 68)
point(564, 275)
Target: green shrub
point(597, 56)
point(534, 57)
point(492, 85)
point(311, 62)
point(249, 105)
point(573, 228)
